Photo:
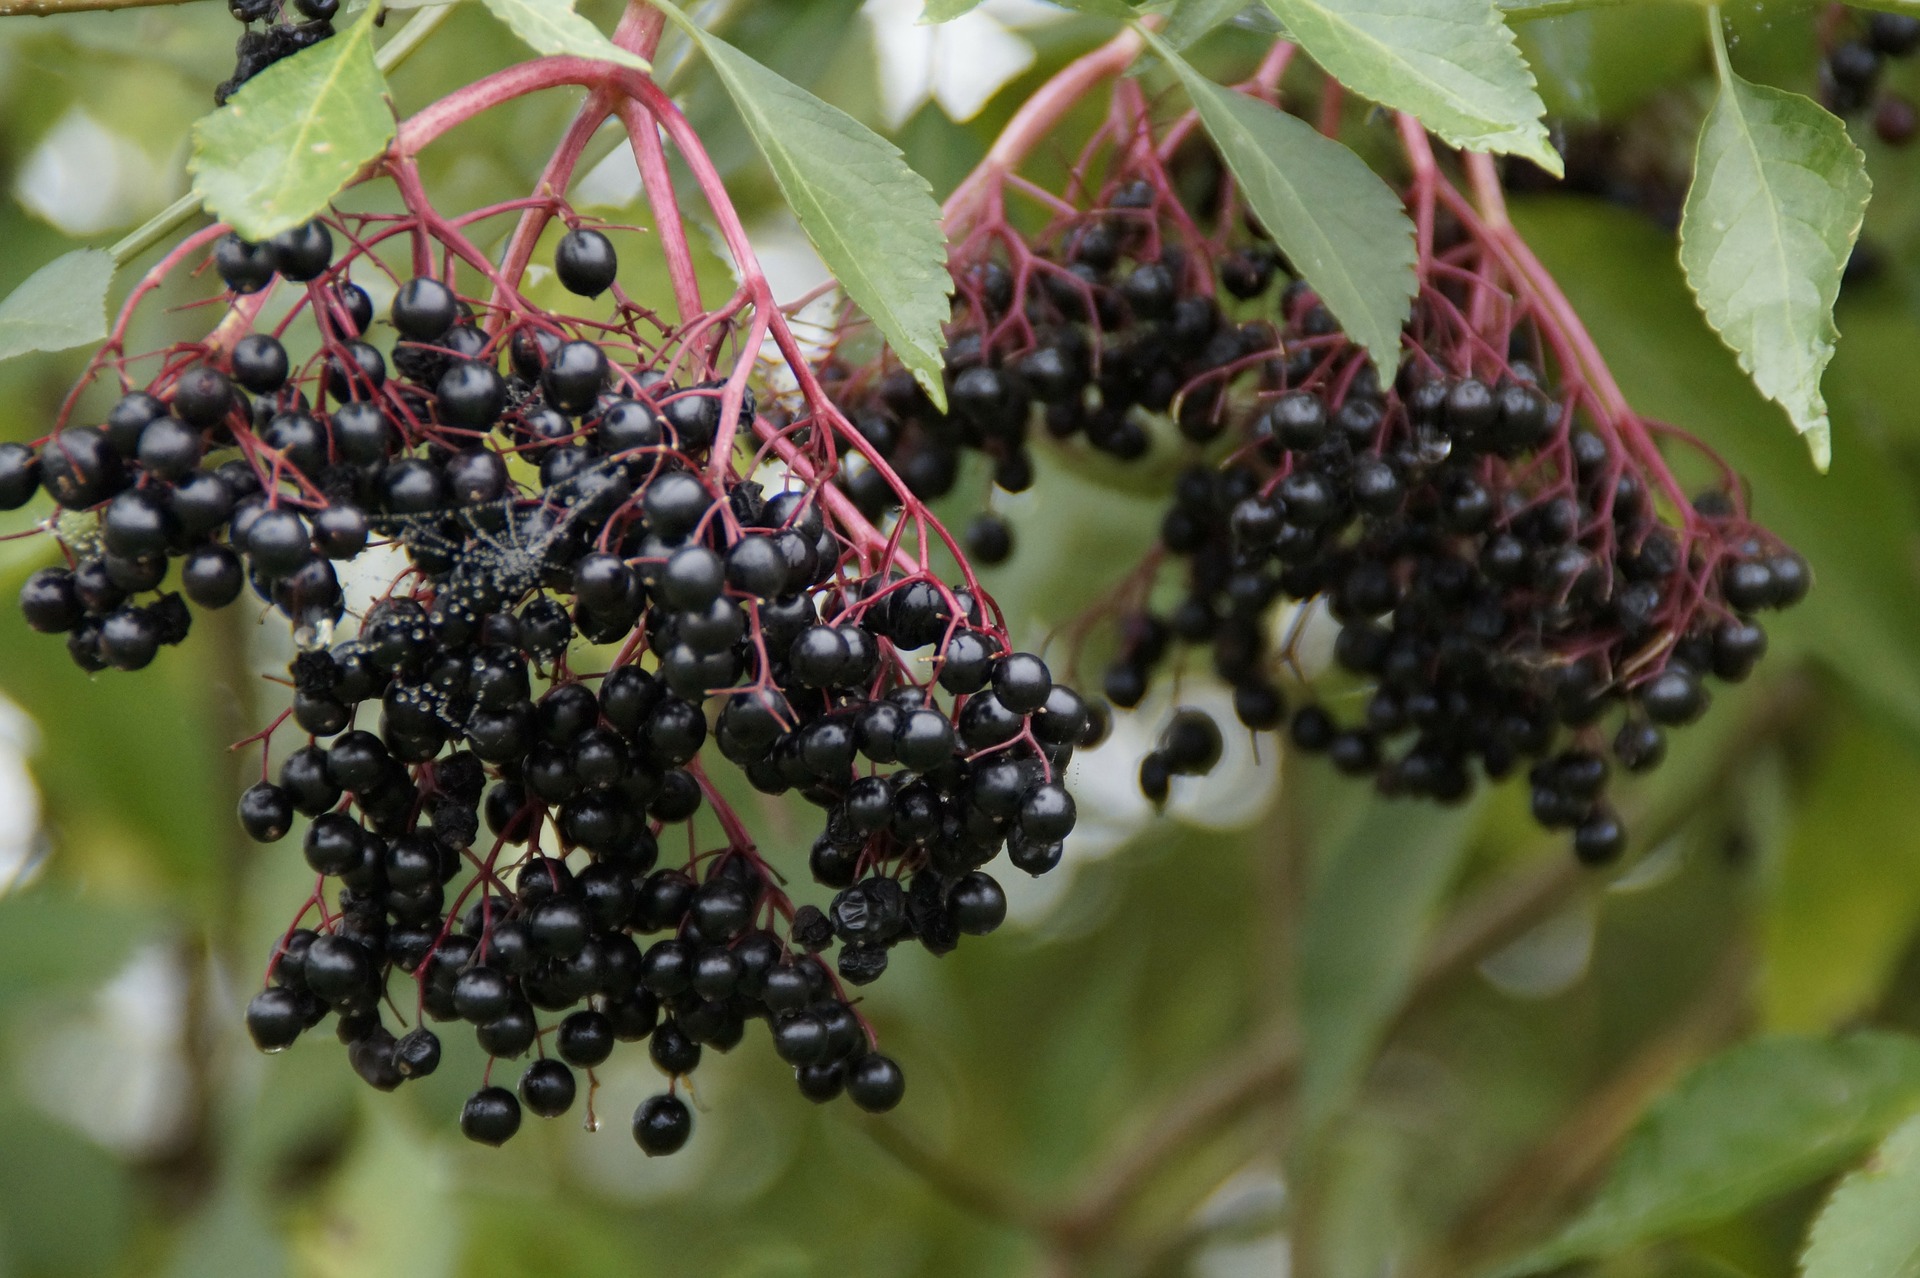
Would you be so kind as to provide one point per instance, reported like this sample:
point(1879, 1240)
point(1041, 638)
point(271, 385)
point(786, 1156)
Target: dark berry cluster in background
point(1519, 584)
point(282, 34)
point(500, 837)
point(1856, 60)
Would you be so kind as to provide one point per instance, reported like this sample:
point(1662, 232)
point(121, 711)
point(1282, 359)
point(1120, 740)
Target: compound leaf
point(1452, 63)
point(1336, 221)
point(294, 135)
point(1778, 195)
point(1869, 1228)
point(1757, 1120)
point(551, 26)
point(872, 219)
point(62, 304)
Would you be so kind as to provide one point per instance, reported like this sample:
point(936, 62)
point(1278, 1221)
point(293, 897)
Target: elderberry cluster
point(485, 818)
point(1510, 593)
point(282, 36)
point(1851, 71)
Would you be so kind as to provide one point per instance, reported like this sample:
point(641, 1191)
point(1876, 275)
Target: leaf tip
point(1819, 437)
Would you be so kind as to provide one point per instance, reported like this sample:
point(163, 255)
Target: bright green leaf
point(1452, 63)
point(872, 219)
point(62, 304)
point(948, 10)
point(1757, 1120)
point(297, 133)
point(551, 26)
point(1361, 936)
point(1341, 226)
point(1778, 195)
point(1869, 1227)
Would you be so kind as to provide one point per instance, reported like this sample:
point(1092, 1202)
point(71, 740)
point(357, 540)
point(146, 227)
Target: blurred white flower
point(115, 1068)
point(959, 64)
point(21, 838)
point(85, 178)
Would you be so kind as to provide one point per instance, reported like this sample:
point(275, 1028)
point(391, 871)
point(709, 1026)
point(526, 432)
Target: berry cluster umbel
point(484, 818)
point(1518, 582)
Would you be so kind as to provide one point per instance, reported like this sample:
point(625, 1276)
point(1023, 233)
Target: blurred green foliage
point(1390, 1038)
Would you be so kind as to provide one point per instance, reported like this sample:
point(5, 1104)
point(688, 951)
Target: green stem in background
point(163, 224)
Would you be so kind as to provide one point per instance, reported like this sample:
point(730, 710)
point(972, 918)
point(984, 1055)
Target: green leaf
point(297, 133)
point(1362, 931)
point(62, 304)
point(872, 219)
point(1188, 20)
point(551, 26)
point(948, 10)
point(1337, 222)
point(1778, 195)
point(1835, 925)
point(1527, 10)
point(1869, 1228)
point(1754, 1122)
point(1452, 63)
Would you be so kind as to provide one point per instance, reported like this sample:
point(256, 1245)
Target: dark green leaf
point(872, 219)
point(1452, 63)
point(1869, 1227)
point(1778, 195)
point(551, 26)
point(1757, 1120)
point(1330, 214)
point(294, 135)
point(62, 304)
point(1361, 934)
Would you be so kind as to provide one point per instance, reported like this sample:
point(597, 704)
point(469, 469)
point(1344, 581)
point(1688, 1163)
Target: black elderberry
point(50, 602)
point(673, 1050)
point(491, 1116)
point(260, 363)
point(585, 262)
point(875, 1083)
point(661, 1125)
point(424, 309)
point(977, 903)
point(1674, 696)
point(243, 267)
point(275, 1018)
point(1600, 838)
point(509, 1034)
point(79, 468)
point(266, 812)
point(417, 1053)
point(278, 542)
point(1191, 743)
point(129, 638)
point(547, 1088)
point(1021, 682)
point(471, 395)
point(575, 375)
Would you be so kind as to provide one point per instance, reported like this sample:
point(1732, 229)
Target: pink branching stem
point(657, 181)
point(713, 189)
point(638, 32)
point(1037, 118)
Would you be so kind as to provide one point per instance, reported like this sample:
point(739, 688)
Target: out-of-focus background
point(1281, 992)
